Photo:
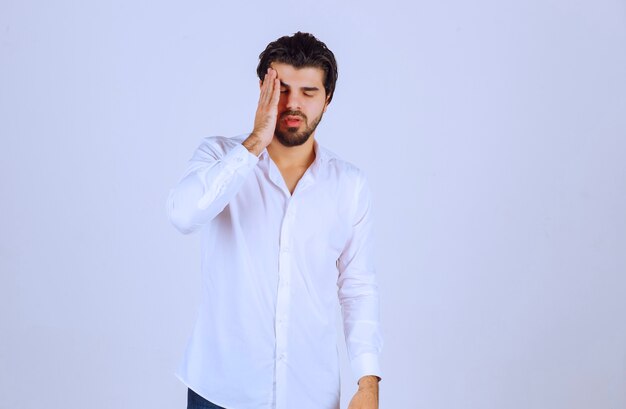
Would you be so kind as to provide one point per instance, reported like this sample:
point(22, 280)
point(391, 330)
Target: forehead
point(305, 76)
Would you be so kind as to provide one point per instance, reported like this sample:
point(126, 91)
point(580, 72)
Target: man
point(286, 233)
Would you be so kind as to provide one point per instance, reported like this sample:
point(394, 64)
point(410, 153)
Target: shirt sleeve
point(213, 176)
point(358, 290)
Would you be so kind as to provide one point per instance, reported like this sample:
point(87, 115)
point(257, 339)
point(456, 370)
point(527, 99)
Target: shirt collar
point(320, 156)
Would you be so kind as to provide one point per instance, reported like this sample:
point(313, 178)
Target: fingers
point(275, 93)
point(264, 88)
point(262, 94)
point(265, 117)
point(269, 88)
point(271, 82)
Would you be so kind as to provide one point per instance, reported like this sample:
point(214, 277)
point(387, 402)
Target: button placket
point(283, 300)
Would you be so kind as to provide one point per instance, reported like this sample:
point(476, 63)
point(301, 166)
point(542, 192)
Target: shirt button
point(282, 357)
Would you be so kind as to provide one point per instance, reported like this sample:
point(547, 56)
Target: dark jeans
point(195, 401)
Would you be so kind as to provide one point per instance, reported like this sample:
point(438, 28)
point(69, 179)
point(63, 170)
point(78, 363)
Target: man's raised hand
point(266, 113)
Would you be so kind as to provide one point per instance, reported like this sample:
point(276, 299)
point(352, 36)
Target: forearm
point(208, 185)
point(363, 336)
point(358, 291)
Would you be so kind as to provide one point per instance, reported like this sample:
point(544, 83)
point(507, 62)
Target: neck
point(294, 156)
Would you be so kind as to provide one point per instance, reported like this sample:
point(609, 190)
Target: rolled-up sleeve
point(358, 289)
point(213, 176)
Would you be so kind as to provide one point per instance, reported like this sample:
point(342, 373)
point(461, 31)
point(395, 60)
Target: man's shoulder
point(339, 166)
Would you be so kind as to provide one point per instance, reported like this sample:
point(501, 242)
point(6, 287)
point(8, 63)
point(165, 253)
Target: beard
point(290, 136)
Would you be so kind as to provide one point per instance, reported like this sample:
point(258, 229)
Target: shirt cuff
point(240, 157)
point(365, 364)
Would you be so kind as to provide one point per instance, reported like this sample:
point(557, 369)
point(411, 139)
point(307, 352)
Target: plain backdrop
point(493, 134)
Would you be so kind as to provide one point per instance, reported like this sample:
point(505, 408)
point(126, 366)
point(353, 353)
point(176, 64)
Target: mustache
point(292, 113)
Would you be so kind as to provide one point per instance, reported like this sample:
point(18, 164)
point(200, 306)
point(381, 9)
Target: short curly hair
point(301, 50)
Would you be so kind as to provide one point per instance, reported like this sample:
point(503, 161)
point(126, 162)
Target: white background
point(493, 134)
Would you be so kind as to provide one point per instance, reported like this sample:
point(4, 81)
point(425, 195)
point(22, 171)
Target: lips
point(293, 120)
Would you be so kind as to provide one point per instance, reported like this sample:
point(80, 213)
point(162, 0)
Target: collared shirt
point(274, 266)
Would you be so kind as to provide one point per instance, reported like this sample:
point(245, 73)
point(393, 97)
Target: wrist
point(254, 144)
point(368, 381)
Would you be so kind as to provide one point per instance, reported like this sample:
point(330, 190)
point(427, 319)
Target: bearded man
point(286, 228)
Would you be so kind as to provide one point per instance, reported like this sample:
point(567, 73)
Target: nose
point(292, 102)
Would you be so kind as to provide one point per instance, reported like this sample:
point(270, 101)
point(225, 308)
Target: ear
point(326, 104)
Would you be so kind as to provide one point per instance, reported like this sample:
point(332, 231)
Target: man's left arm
point(358, 296)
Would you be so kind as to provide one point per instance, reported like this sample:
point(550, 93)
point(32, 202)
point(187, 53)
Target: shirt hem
point(200, 392)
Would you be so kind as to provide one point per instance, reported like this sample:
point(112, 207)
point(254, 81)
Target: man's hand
point(367, 395)
point(266, 113)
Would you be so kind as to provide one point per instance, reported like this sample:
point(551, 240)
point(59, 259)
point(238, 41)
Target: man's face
point(302, 103)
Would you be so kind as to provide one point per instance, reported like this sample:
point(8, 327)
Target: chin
point(290, 139)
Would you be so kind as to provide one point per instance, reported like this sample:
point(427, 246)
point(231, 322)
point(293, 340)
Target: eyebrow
point(282, 84)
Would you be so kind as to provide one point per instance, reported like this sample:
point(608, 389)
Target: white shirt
point(274, 266)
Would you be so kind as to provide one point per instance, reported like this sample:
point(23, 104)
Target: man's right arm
point(216, 172)
point(213, 176)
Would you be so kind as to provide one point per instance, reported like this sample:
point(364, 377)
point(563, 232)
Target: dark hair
point(301, 50)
